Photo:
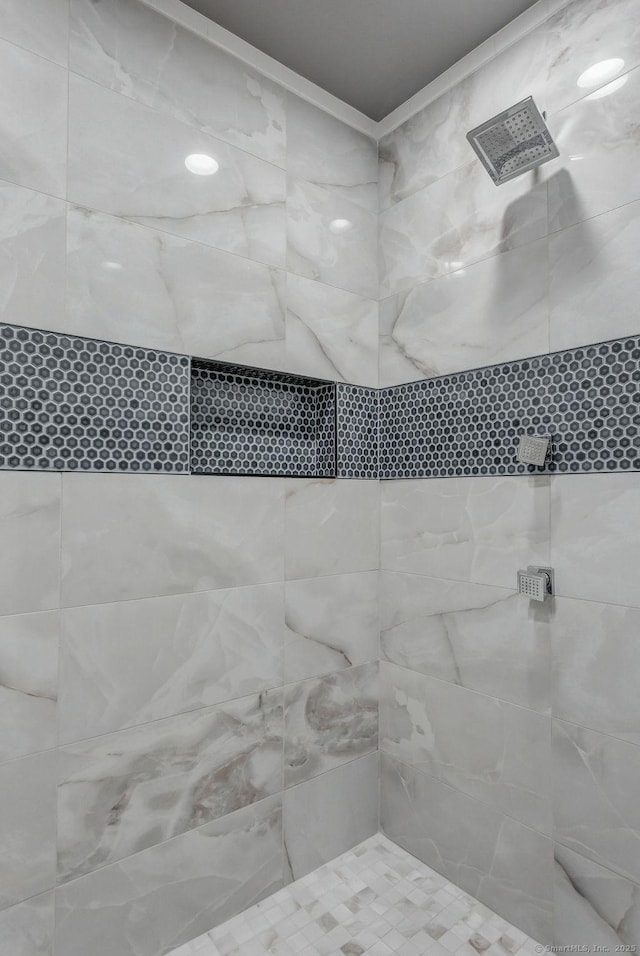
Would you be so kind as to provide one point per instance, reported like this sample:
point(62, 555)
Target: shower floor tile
point(375, 900)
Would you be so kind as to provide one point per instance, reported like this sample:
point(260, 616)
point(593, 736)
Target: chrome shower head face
point(513, 142)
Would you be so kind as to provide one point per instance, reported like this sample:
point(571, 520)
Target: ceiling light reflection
point(338, 226)
point(599, 73)
point(201, 164)
point(608, 89)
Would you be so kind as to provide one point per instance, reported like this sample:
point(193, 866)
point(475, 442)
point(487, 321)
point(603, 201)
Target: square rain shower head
point(513, 142)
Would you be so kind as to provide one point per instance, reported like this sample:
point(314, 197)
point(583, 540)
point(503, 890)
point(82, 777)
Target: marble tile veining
point(137, 661)
point(161, 897)
point(28, 683)
point(32, 258)
point(374, 900)
point(240, 209)
point(329, 721)
point(149, 538)
point(128, 283)
point(33, 120)
point(484, 638)
point(126, 792)
point(332, 624)
point(135, 50)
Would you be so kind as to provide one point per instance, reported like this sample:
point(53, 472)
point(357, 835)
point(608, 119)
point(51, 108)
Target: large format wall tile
point(596, 811)
point(596, 662)
point(240, 209)
point(604, 134)
point(28, 928)
point(487, 639)
point(132, 284)
point(33, 120)
point(28, 683)
point(29, 542)
point(327, 152)
point(332, 623)
point(328, 815)
point(32, 258)
point(329, 721)
point(41, 26)
point(469, 529)
point(330, 527)
point(585, 32)
point(487, 748)
point(134, 50)
point(125, 792)
point(331, 333)
point(171, 893)
point(492, 312)
point(345, 258)
point(470, 844)
point(137, 661)
point(595, 279)
point(592, 904)
point(27, 827)
point(595, 537)
point(456, 221)
point(168, 535)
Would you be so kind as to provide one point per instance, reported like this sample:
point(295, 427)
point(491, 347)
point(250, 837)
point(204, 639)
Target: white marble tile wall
point(148, 633)
point(440, 213)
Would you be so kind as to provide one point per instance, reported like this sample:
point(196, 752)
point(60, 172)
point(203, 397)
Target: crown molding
point(274, 70)
point(180, 13)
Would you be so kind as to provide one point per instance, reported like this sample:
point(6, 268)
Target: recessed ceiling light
point(608, 89)
point(110, 265)
point(600, 72)
point(201, 164)
point(338, 226)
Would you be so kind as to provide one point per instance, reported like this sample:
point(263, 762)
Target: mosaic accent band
point(76, 404)
point(357, 431)
point(586, 399)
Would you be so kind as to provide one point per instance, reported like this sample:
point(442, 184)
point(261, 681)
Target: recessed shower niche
point(253, 421)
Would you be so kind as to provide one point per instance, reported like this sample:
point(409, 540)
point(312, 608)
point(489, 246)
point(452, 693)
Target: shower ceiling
point(373, 54)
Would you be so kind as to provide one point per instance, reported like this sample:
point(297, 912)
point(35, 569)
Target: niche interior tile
point(330, 721)
point(487, 748)
point(349, 165)
point(332, 624)
point(458, 220)
point(32, 257)
point(329, 527)
point(149, 539)
point(596, 659)
point(591, 902)
point(470, 529)
point(133, 284)
point(342, 257)
point(137, 661)
point(583, 33)
point(240, 209)
point(487, 639)
point(596, 779)
point(595, 279)
point(331, 333)
point(33, 121)
point(28, 683)
point(604, 134)
point(492, 312)
point(137, 51)
point(595, 537)
point(164, 896)
point(41, 26)
point(29, 542)
point(328, 815)
point(471, 844)
point(122, 793)
point(27, 827)
point(28, 928)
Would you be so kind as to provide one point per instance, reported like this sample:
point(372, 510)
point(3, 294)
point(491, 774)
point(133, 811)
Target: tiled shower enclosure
point(260, 516)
